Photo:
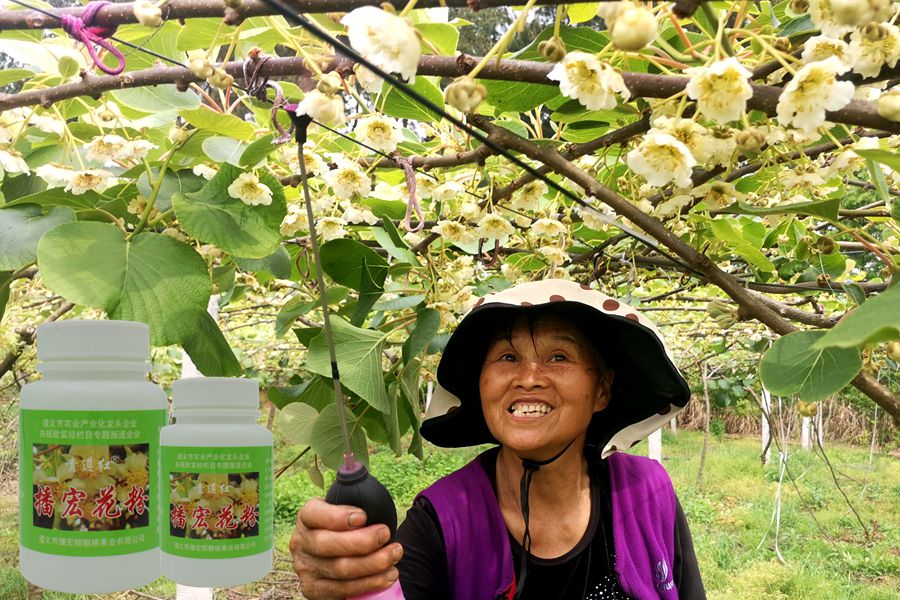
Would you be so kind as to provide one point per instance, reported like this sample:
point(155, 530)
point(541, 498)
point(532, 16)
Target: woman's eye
point(558, 358)
point(508, 356)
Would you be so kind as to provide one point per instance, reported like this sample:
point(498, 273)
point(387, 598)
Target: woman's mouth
point(530, 409)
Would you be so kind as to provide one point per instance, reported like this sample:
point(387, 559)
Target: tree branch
point(645, 85)
point(750, 304)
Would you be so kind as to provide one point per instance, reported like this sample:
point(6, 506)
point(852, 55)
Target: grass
point(729, 517)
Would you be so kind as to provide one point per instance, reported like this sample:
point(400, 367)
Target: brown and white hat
point(647, 391)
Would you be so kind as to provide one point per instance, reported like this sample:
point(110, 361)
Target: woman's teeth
point(529, 410)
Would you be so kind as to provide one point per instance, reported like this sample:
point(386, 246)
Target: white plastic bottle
point(89, 460)
point(217, 475)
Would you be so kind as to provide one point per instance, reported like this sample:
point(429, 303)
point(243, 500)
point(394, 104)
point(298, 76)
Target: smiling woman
point(560, 376)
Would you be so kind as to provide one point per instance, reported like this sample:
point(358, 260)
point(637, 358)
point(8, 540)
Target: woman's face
point(540, 387)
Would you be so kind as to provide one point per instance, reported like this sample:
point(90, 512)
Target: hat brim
point(646, 383)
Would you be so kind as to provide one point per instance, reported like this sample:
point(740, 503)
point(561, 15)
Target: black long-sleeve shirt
point(586, 572)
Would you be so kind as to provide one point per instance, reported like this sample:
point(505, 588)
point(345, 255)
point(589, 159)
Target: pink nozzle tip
point(392, 593)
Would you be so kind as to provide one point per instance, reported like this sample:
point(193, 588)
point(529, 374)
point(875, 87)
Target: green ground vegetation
point(730, 515)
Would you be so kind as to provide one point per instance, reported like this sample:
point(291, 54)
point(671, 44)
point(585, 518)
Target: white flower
point(867, 55)
point(137, 205)
point(583, 77)
point(330, 228)
point(447, 191)
point(425, 185)
point(138, 149)
point(348, 181)
point(322, 108)
point(454, 232)
point(368, 80)
point(549, 228)
point(554, 255)
point(813, 90)
point(386, 40)
point(315, 166)
point(529, 197)
point(493, 226)
point(672, 205)
point(721, 90)
point(205, 171)
point(96, 180)
point(48, 124)
point(12, 162)
point(820, 47)
point(379, 132)
point(660, 159)
point(147, 13)
point(470, 211)
point(199, 64)
point(250, 191)
point(106, 149)
point(633, 28)
point(858, 12)
point(597, 216)
point(354, 215)
point(294, 220)
point(54, 174)
point(823, 18)
point(608, 11)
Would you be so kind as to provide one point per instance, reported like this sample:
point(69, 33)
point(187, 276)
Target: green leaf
point(223, 149)
point(878, 320)
point(173, 182)
point(4, 291)
point(885, 157)
point(370, 291)
point(152, 99)
point(827, 209)
point(209, 350)
point(8, 76)
point(296, 422)
point(725, 230)
point(305, 335)
point(343, 260)
point(579, 13)
point(443, 36)
point(152, 278)
point(799, 26)
point(359, 361)
point(258, 151)
point(399, 303)
point(793, 367)
point(317, 392)
point(395, 103)
point(327, 442)
point(278, 263)
point(428, 321)
point(20, 229)
point(223, 124)
point(213, 216)
point(855, 292)
point(389, 239)
point(299, 306)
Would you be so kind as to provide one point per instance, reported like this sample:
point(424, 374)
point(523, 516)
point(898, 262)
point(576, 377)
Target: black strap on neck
point(530, 468)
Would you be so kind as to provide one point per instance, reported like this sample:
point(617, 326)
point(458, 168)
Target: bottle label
point(89, 481)
point(218, 499)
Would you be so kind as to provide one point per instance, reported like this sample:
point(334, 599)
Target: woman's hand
point(336, 556)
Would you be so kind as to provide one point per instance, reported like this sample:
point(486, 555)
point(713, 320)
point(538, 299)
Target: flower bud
point(874, 31)
point(849, 12)
point(465, 94)
point(893, 351)
point(553, 50)
point(329, 84)
point(199, 65)
point(634, 28)
point(798, 7)
point(178, 136)
point(825, 245)
point(888, 105)
point(750, 140)
point(220, 79)
point(807, 409)
point(147, 13)
point(782, 44)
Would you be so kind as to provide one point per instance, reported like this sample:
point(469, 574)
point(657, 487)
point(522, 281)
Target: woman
point(560, 376)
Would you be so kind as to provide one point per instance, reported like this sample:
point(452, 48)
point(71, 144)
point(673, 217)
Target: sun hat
point(647, 391)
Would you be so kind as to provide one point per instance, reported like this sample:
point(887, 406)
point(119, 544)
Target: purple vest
point(479, 559)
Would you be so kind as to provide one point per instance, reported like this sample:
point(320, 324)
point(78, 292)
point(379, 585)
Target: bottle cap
point(215, 393)
point(82, 340)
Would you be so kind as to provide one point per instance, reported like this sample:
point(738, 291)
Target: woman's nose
point(530, 374)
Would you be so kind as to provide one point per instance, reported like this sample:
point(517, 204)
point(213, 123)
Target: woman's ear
point(604, 390)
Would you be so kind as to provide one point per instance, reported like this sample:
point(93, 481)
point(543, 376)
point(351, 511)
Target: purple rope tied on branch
point(413, 203)
point(82, 30)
